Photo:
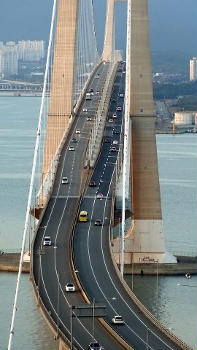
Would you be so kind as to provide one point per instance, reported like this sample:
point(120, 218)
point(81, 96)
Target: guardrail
point(84, 183)
point(56, 330)
point(145, 311)
point(45, 188)
point(101, 115)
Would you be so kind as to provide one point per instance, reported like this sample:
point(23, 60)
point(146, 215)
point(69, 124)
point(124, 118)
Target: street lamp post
point(71, 327)
point(147, 338)
point(93, 319)
point(58, 302)
point(157, 282)
point(132, 274)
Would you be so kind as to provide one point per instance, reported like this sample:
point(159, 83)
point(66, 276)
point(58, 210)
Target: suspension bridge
point(95, 131)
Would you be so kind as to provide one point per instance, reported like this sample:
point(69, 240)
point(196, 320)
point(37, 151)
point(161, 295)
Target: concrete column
point(109, 31)
point(61, 94)
point(146, 235)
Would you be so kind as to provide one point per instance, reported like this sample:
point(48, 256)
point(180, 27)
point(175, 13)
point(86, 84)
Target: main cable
point(11, 333)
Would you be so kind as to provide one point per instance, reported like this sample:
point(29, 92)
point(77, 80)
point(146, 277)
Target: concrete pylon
point(109, 41)
point(109, 31)
point(61, 94)
point(146, 235)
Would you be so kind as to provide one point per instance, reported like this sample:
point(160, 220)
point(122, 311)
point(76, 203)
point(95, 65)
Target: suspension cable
point(32, 178)
point(126, 131)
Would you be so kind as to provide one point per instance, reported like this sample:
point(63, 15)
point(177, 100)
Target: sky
point(173, 23)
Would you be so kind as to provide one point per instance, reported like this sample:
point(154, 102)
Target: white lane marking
point(113, 282)
point(45, 227)
point(157, 336)
point(105, 297)
point(59, 318)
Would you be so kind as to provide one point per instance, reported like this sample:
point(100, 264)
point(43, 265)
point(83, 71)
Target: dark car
point(95, 346)
point(98, 222)
point(74, 140)
point(92, 184)
point(113, 149)
point(119, 108)
point(116, 132)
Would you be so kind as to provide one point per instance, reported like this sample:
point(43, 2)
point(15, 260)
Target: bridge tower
point(109, 40)
point(147, 238)
point(61, 95)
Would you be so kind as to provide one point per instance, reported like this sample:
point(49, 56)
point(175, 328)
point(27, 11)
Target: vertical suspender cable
point(126, 130)
point(32, 178)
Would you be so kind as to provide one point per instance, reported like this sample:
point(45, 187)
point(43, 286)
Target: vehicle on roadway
point(77, 131)
point(71, 148)
point(92, 184)
point(47, 241)
point(117, 319)
point(99, 196)
point(65, 181)
point(113, 149)
point(110, 120)
point(89, 119)
point(88, 96)
point(114, 115)
point(83, 216)
point(69, 287)
point(98, 222)
point(95, 346)
point(84, 110)
point(121, 95)
point(119, 108)
point(115, 142)
point(116, 132)
point(74, 140)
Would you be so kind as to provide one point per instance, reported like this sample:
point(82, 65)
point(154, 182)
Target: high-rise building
point(1, 61)
point(30, 50)
point(12, 52)
point(193, 68)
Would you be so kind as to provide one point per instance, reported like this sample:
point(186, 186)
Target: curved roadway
point(51, 264)
point(92, 256)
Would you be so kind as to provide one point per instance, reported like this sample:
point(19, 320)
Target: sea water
point(176, 303)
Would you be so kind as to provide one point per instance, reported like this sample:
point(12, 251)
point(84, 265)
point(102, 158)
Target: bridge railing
point(101, 114)
point(109, 329)
point(45, 188)
point(144, 310)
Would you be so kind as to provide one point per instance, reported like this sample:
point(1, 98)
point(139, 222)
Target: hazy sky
point(173, 23)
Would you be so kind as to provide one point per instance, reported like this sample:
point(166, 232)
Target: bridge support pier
point(61, 95)
point(63, 346)
point(145, 238)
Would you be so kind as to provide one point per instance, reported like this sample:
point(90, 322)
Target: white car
point(115, 142)
point(84, 110)
point(69, 287)
point(77, 131)
point(47, 241)
point(71, 148)
point(65, 180)
point(117, 320)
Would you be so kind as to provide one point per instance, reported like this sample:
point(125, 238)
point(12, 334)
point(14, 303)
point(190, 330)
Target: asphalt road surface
point(91, 247)
point(51, 264)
